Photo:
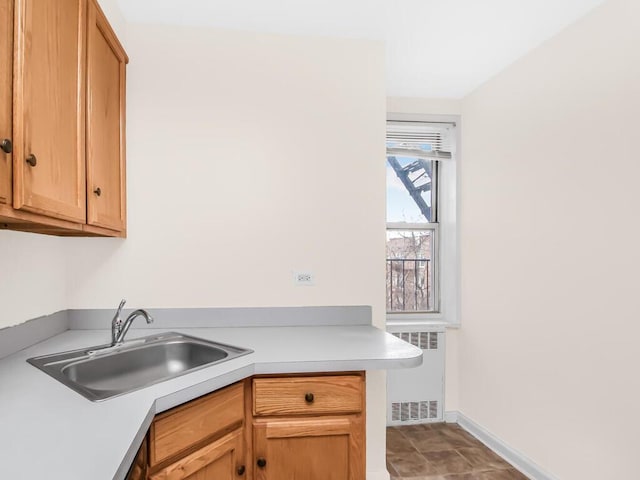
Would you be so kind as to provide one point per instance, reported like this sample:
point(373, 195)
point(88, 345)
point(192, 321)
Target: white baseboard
point(515, 458)
point(451, 417)
point(378, 475)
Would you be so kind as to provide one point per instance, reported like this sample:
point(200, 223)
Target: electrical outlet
point(303, 279)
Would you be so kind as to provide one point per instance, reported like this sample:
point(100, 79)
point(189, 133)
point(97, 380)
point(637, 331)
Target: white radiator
point(416, 395)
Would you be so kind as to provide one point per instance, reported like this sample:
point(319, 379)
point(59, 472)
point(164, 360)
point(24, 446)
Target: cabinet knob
point(241, 470)
point(308, 397)
point(6, 146)
point(97, 191)
point(261, 462)
point(32, 160)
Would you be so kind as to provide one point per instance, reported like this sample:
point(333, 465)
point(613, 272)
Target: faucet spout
point(120, 328)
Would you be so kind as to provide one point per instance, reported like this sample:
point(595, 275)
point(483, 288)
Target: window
point(416, 152)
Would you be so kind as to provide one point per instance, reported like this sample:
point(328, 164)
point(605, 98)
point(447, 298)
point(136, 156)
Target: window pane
point(411, 190)
point(410, 271)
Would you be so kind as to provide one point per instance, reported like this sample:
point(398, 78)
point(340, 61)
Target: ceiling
point(435, 48)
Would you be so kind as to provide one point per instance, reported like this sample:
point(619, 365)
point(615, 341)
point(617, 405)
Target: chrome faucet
point(119, 328)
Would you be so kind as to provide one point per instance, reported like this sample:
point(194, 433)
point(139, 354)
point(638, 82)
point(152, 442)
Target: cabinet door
point(106, 62)
point(6, 79)
point(138, 470)
point(49, 108)
point(220, 460)
point(309, 449)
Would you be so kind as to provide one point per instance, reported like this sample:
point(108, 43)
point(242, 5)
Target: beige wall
point(424, 106)
point(249, 157)
point(112, 11)
point(243, 155)
point(550, 260)
point(32, 276)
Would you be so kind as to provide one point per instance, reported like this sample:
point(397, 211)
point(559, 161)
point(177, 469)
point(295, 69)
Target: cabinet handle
point(308, 397)
point(241, 470)
point(6, 146)
point(32, 160)
point(261, 462)
point(97, 191)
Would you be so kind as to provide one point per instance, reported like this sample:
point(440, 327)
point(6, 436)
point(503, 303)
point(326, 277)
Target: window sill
point(434, 320)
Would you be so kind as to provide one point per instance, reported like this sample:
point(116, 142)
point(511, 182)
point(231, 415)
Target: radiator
point(416, 395)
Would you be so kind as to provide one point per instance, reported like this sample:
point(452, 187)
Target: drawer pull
point(308, 397)
point(32, 160)
point(241, 470)
point(261, 462)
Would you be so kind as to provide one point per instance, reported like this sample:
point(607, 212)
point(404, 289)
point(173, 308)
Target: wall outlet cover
point(304, 278)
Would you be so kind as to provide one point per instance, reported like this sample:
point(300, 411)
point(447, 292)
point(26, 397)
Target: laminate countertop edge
point(73, 438)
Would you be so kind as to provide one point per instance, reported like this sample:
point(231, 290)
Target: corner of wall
point(424, 106)
point(452, 371)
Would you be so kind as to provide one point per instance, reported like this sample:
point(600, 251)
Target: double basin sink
point(104, 371)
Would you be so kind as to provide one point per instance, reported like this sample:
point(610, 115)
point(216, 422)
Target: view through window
point(413, 153)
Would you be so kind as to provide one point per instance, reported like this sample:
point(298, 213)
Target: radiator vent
point(411, 411)
point(423, 340)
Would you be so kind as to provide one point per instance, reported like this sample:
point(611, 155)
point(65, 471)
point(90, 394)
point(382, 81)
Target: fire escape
point(416, 178)
point(412, 151)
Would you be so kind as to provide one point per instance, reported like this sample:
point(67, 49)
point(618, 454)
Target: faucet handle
point(116, 323)
point(122, 302)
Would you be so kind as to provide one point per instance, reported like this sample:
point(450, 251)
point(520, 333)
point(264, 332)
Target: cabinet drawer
point(183, 427)
point(308, 395)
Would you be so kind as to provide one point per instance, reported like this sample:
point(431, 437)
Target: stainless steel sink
point(104, 371)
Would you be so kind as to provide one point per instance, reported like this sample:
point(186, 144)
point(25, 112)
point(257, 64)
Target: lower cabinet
point(219, 460)
point(303, 427)
point(138, 470)
point(309, 427)
point(309, 449)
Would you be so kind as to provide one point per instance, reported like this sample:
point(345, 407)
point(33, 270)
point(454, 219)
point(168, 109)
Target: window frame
point(446, 234)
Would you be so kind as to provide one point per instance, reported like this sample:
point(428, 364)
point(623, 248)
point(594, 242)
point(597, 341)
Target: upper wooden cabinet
point(6, 54)
point(106, 61)
point(68, 175)
point(49, 102)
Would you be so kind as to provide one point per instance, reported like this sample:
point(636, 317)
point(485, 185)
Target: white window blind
point(431, 141)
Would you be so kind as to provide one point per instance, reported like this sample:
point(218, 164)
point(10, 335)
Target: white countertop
point(49, 431)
